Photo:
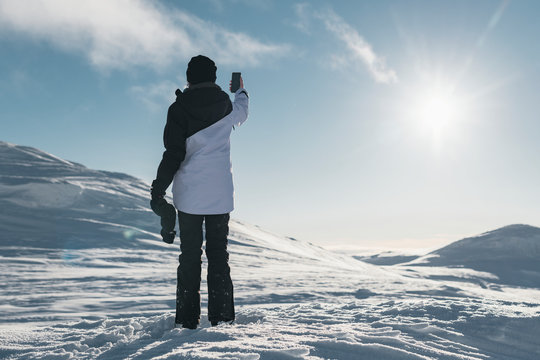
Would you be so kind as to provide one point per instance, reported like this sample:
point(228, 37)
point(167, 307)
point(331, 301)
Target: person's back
point(197, 161)
point(204, 184)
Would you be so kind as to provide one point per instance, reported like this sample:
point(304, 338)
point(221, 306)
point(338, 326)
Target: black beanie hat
point(201, 69)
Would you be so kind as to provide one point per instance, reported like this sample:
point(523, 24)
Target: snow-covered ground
point(84, 275)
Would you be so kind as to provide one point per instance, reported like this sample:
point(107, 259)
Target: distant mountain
point(511, 252)
point(386, 258)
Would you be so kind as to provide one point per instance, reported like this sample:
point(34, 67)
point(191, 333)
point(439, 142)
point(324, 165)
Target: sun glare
point(436, 110)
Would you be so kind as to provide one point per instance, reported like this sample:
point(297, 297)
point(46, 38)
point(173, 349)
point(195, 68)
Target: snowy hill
point(84, 275)
point(53, 203)
point(512, 253)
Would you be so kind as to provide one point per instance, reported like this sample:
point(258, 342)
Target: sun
point(437, 109)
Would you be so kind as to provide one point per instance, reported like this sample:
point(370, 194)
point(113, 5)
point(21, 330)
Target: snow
point(86, 276)
point(510, 253)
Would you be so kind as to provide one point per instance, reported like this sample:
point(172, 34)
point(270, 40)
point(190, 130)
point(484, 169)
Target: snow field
point(119, 304)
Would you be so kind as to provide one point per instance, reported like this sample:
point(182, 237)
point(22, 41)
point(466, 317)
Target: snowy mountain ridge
point(44, 198)
point(519, 239)
point(511, 253)
point(32, 178)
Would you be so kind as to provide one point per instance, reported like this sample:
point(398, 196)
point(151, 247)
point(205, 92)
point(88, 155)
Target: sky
point(388, 124)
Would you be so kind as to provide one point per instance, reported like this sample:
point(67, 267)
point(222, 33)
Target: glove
point(168, 222)
point(167, 213)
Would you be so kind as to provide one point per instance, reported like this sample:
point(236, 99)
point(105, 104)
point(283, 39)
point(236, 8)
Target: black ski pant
point(220, 287)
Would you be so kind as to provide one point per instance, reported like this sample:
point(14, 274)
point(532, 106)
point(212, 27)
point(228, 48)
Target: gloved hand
point(167, 212)
point(168, 222)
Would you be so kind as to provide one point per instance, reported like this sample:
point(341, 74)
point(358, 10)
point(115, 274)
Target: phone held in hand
point(235, 82)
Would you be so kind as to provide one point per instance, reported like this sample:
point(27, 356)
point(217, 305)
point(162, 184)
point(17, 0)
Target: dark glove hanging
point(168, 222)
point(167, 212)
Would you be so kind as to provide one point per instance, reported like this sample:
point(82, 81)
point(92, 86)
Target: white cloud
point(358, 47)
point(118, 34)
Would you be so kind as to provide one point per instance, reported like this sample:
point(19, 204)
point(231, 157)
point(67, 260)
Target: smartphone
point(235, 83)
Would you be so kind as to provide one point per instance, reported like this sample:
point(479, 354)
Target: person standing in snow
point(197, 162)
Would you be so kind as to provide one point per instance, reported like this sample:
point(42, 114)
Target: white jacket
point(203, 185)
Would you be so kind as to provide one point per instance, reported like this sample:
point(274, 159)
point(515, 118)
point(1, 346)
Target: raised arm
point(240, 105)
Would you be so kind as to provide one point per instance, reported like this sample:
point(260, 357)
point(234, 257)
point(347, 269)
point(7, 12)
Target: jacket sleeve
point(240, 105)
point(175, 152)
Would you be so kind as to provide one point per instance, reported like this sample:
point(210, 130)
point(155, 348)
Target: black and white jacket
point(197, 141)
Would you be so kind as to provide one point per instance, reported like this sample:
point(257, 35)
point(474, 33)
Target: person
point(197, 162)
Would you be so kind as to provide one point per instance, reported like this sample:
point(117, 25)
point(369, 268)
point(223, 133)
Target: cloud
point(357, 47)
point(303, 22)
point(119, 34)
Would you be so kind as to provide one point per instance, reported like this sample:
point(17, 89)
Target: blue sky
point(372, 124)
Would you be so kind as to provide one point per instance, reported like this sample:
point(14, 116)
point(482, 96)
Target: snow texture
point(84, 275)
